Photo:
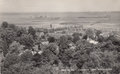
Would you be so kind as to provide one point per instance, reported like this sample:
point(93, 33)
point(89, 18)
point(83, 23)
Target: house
point(105, 34)
point(72, 46)
point(45, 42)
point(92, 41)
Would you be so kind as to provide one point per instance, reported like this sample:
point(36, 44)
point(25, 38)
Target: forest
point(34, 51)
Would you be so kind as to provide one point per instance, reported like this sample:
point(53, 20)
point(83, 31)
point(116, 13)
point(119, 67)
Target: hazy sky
point(58, 5)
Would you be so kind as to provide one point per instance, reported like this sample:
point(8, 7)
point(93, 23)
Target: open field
point(93, 19)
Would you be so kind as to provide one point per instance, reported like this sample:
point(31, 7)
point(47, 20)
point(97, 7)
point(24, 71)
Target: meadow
point(44, 19)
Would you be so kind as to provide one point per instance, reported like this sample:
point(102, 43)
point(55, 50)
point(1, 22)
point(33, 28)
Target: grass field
point(69, 18)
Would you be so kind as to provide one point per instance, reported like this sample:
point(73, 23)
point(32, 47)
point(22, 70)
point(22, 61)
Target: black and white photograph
point(59, 36)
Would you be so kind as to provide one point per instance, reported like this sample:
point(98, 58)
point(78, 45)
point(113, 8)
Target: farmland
point(68, 18)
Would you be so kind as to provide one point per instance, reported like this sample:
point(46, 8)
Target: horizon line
point(61, 12)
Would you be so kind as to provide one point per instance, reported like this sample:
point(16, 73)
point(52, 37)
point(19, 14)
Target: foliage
point(63, 43)
point(31, 31)
point(11, 59)
point(4, 24)
point(51, 39)
point(90, 32)
point(8, 35)
point(19, 68)
point(3, 47)
point(26, 56)
point(76, 37)
point(98, 32)
point(65, 57)
point(26, 40)
point(105, 54)
point(13, 27)
point(21, 31)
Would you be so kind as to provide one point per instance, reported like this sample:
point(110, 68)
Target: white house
point(92, 41)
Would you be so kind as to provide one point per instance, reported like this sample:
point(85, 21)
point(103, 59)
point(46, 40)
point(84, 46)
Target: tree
point(10, 59)
point(19, 68)
point(4, 47)
point(7, 36)
point(15, 64)
point(47, 57)
point(26, 40)
point(79, 59)
point(51, 39)
point(65, 57)
point(26, 56)
point(63, 42)
point(100, 39)
point(115, 40)
point(32, 31)
point(14, 47)
point(76, 37)
point(90, 33)
point(98, 32)
point(46, 69)
point(13, 27)
point(4, 24)
point(76, 34)
point(21, 31)
point(85, 37)
point(51, 52)
point(70, 38)
point(81, 56)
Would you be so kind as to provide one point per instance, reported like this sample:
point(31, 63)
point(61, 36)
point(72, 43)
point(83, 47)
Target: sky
point(58, 5)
